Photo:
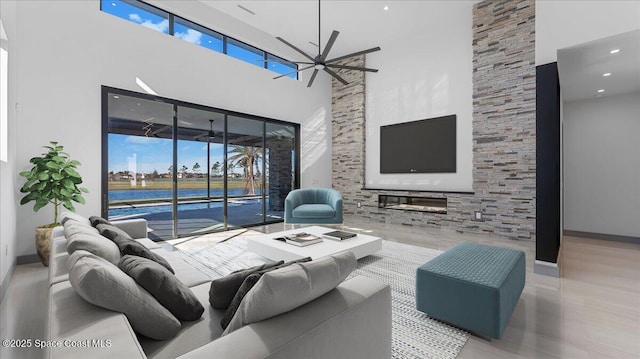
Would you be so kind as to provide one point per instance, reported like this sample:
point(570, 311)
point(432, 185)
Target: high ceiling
point(297, 21)
point(582, 67)
point(365, 24)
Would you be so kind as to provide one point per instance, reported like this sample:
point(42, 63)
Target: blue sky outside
point(156, 153)
point(188, 31)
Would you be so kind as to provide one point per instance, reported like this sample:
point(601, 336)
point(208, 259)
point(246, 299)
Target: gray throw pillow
point(136, 249)
point(164, 286)
point(112, 232)
point(96, 220)
point(285, 289)
point(94, 243)
point(223, 289)
point(105, 285)
point(246, 286)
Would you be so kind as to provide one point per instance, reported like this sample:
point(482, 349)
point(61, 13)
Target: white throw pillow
point(67, 216)
point(94, 243)
point(285, 289)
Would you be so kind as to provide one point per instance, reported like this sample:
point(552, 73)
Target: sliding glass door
point(244, 171)
point(200, 193)
point(190, 169)
point(140, 140)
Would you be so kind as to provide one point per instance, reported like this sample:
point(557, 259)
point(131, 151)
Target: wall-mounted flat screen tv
point(424, 146)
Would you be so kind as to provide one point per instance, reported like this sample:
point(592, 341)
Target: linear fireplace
point(413, 203)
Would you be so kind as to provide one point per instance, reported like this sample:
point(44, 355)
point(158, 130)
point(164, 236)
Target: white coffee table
point(361, 245)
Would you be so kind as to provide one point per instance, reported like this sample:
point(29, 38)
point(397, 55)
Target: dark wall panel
point(548, 206)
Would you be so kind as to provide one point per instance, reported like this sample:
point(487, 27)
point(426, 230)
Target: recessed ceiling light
point(601, 91)
point(614, 51)
point(385, 8)
point(606, 74)
point(113, 4)
point(116, 96)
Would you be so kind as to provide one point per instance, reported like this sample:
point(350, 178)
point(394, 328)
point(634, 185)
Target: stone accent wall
point(504, 163)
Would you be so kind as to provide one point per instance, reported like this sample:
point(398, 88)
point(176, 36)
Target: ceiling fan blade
point(374, 49)
point(352, 68)
point(297, 49)
point(293, 72)
point(313, 77)
point(327, 70)
point(327, 48)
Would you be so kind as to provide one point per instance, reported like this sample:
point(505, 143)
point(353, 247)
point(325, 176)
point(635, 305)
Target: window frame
point(173, 18)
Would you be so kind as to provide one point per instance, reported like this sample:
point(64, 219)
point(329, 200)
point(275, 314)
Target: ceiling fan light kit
point(320, 62)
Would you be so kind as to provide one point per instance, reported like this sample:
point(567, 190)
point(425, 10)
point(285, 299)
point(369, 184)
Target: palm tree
point(246, 156)
point(215, 168)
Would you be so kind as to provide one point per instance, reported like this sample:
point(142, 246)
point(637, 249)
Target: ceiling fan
point(320, 61)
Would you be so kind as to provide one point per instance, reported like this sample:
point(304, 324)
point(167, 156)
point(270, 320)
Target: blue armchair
point(313, 206)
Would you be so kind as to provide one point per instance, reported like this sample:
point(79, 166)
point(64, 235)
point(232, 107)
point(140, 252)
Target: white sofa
point(351, 321)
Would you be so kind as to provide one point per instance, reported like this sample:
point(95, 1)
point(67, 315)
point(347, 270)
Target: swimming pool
point(167, 208)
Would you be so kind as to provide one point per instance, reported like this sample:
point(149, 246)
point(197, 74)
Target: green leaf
point(71, 172)
point(41, 186)
point(67, 183)
point(74, 163)
point(59, 159)
point(57, 176)
point(78, 198)
point(43, 176)
point(25, 174)
point(40, 202)
point(26, 199)
point(53, 165)
point(68, 205)
point(29, 183)
point(82, 189)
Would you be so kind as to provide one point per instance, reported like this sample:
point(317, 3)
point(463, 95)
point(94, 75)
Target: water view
point(167, 194)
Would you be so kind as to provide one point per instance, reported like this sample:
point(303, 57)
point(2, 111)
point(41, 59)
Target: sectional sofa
point(351, 321)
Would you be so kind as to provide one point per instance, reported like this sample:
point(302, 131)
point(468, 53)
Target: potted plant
point(52, 179)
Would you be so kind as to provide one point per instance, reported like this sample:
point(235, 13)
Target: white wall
point(561, 24)
point(8, 186)
point(427, 73)
point(68, 49)
point(602, 165)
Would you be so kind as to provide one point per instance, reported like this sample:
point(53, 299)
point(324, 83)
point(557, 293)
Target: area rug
point(414, 334)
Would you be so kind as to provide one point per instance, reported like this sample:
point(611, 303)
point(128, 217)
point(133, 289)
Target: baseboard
point(546, 268)
point(6, 281)
point(27, 259)
point(606, 237)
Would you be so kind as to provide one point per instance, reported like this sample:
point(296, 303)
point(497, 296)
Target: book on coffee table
point(302, 239)
point(338, 235)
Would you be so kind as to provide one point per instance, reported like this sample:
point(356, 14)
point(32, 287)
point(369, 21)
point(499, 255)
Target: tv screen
point(425, 146)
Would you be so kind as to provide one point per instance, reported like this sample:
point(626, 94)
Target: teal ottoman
point(472, 286)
